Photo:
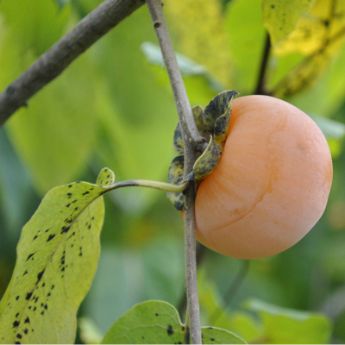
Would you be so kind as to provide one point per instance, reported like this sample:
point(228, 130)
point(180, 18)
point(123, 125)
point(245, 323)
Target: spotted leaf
point(57, 257)
point(158, 322)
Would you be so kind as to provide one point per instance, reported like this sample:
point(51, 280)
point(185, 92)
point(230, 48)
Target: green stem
point(164, 186)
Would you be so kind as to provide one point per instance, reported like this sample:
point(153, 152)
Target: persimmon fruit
point(271, 184)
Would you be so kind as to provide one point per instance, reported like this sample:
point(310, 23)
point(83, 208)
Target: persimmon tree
point(59, 247)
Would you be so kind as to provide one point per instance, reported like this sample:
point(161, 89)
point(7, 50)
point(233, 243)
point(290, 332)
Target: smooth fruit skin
point(271, 185)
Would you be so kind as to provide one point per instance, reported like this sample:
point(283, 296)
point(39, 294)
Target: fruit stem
point(164, 186)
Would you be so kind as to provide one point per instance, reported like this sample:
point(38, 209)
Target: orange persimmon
point(271, 184)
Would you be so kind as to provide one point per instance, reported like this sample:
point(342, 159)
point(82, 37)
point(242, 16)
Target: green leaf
point(305, 26)
point(150, 322)
point(243, 24)
point(54, 136)
point(215, 313)
point(187, 66)
point(156, 269)
point(55, 133)
point(37, 25)
point(215, 335)
point(284, 325)
point(137, 115)
point(158, 322)
point(57, 257)
point(281, 16)
point(331, 129)
point(199, 34)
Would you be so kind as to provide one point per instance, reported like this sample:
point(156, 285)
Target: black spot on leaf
point(27, 320)
point(30, 256)
point(28, 295)
point(170, 330)
point(65, 229)
point(39, 276)
point(15, 324)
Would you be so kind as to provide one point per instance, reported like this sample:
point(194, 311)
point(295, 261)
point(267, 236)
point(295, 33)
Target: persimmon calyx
point(213, 124)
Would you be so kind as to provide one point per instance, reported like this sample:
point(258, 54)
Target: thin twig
point(230, 293)
point(200, 255)
point(191, 136)
point(63, 53)
point(182, 102)
point(261, 83)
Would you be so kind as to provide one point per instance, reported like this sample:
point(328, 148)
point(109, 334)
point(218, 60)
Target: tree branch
point(63, 53)
point(260, 85)
point(191, 137)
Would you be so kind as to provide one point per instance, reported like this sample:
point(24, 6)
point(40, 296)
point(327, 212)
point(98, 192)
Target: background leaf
point(284, 325)
point(281, 17)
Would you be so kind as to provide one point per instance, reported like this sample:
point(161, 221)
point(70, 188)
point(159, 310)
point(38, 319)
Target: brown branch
point(63, 53)
point(191, 137)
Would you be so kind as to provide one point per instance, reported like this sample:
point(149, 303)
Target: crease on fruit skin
point(267, 187)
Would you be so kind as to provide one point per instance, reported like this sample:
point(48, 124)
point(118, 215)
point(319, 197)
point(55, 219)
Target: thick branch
point(191, 136)
point(58, 57)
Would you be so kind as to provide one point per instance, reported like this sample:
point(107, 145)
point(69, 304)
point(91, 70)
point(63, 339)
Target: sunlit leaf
point(319, 23)
point(57, 257)
point(281, 17)
point(199, 34)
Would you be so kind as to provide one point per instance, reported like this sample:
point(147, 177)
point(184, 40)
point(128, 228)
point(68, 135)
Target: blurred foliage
point(114, 107)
